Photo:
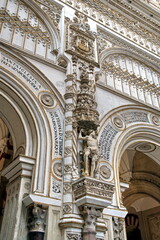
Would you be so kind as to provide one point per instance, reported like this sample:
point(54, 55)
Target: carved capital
point(37, 217)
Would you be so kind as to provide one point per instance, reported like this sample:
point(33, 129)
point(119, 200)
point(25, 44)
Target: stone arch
point(32, 100)
point(122, 127)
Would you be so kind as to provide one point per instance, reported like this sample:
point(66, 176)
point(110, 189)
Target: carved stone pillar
point(91, 196)
point(90, 215)
point(36, 222)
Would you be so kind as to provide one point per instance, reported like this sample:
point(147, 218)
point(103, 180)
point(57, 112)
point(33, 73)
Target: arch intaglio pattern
point(79, 120)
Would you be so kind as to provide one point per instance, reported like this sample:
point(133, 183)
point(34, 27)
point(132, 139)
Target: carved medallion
point(145, 147)
point(57, 169)
point(118, 122)
point(47, 99)
point(156, 120)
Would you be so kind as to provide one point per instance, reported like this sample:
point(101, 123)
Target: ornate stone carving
point(118, 228)
point(74, 236)
point(53, 10)
point(67, 187)
point(67, 208)
point(156, 120)
point(88, 186)
point(105, 172)
point(36, 220)
point(57, 125)
point(67, 168)
point(57, 169)
point(56, 187)
point(85, 112)
point(47, 99)
point(146, 147)
point(80, 38)
point(118, 122)
point(91, 153)
point(90, 215)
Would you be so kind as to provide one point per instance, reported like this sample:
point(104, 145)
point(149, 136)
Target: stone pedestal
point(91, 196)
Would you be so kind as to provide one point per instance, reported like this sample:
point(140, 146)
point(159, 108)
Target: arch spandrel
point(39, 106)
point(122, 128)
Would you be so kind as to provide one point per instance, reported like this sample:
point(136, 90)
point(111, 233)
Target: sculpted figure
point(90, 152)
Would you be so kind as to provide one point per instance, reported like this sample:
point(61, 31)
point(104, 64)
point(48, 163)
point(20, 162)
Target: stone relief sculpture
point(90, 154)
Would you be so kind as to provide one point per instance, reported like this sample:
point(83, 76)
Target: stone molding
point(86, 189)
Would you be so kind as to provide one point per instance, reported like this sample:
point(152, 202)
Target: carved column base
point(36, 236)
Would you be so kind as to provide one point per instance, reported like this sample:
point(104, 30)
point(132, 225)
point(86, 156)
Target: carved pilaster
point(36, 222)
point(90, 215)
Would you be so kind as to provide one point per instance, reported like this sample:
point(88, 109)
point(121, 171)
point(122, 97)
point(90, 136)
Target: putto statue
point(90, 152)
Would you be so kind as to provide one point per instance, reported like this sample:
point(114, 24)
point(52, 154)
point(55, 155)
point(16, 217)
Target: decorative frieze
point(90, 187)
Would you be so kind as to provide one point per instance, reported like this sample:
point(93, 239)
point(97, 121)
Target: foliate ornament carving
point(67, 208)
point(47, 99)
point(96, 188)
point(57, 169)
point(118, 228)
point(85, 113)
point(118, 122)
point(90, 215)
point(53, 10)
point(56, 186)
point(155, 120)
point(36, 220)
point(74, 236)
